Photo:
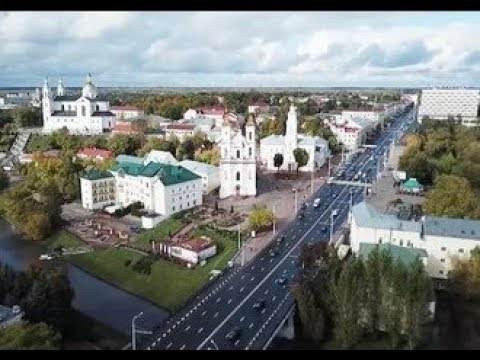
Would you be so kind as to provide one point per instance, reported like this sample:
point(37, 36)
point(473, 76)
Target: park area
point(163, 282)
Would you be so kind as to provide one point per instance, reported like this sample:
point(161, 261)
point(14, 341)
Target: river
point(93, 297)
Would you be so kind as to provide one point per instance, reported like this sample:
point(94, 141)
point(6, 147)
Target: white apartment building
point(442, 238)
point(163, 189)
point(124, 112)
point(97, 189)
point(180, 131)
point(87, 114)
point(443, 102)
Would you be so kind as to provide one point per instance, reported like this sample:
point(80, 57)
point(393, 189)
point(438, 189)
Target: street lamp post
point(332, 214)
point(296, 196)
point(135, 331)
point(274, 229)
point(213, 343)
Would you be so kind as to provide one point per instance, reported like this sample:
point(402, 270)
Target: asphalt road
point(228, 303)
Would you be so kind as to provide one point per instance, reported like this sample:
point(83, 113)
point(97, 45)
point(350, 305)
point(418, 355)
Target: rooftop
point(448, 227)
point(129, 159)
point(406, 255)
point(94, 152)
point(103, 113)
point(125, 108)
point(161, 157)
point(187, 127)
point(124, 127)
point(196, 244)
point(167, 173)
point(201, 167)
point(366, 215)
point(96, 175)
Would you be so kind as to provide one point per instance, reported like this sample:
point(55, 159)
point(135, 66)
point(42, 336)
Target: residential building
point(125, 112)
point(125, 127)
point(163, 189)
point(192, 251)
point(97, 189)
point(214, 112)
point(238, 172)
point(316, 147)
point(10, 316)
point(258, 107)
point(87, 114)
point(440, 103)
point(95, 154)
point(210, 174)
point(180, 131)
point(442, 238)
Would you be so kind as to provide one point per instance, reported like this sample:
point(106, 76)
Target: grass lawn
point(63, 238)
point(169, 285)
point(160, 231)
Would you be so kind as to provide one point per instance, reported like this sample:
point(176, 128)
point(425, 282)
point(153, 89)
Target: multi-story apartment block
point(98, 189)
point(441, 103)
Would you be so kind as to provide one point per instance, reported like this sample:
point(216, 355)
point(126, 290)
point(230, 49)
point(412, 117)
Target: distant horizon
point(388, 49)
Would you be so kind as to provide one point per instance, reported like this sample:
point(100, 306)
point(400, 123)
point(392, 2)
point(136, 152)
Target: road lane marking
point(168, 346)
point(203, 313)
point(215, 315)
point(188, 328)
point(183, 347)
point(200, 330)
point(251, 325)
point(242, 318)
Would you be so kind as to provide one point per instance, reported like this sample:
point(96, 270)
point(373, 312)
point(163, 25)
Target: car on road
point(234, 334)
point(280, 239)
point(301, 216)
point(282, 281)
point(259, 305)
point(316, 202)
point(272, 253)
point(324, 229)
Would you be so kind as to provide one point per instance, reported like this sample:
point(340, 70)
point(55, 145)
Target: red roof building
point(96, 154)
point(124, 128)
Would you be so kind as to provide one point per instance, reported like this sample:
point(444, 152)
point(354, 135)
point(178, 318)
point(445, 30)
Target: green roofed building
point(407, 255)
point(162, 188)
point(412, 186)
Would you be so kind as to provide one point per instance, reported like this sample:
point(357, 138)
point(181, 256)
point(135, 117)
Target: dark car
point(324, 229)
point(234, 334)
point(282, 281)
point(272, 253)
point(259, 305)
point(301, 215)
point(281, 238)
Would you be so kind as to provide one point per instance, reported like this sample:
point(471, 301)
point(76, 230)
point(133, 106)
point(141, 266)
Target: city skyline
point(241, 49)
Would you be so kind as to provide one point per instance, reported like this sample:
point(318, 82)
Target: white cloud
point(311, 49)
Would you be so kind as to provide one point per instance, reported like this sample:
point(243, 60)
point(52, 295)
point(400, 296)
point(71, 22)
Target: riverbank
point(168, 285)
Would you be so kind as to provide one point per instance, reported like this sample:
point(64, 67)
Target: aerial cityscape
point(239, 180)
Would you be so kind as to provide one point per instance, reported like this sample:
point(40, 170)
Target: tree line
point(446, 156)
point(45, 296)
point(359, 299)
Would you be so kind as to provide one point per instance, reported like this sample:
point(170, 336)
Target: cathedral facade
point(238, 169)
point(86, 114)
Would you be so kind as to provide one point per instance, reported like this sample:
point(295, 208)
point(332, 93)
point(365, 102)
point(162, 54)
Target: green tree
point(260, 218)
point(418, 294)
point(464, 279)
point(4, 180)
point(301, 157)
point(27, 336)
point(417, 165)
point(311, 314)
point(38, 226)
point(50, 297)
point(451, 196)
point(278, 161)
point(348, 294)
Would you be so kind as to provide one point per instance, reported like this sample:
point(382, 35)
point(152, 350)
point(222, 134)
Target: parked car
point(316, 203)
point(282, 281)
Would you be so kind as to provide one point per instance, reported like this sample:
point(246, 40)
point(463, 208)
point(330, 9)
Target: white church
point(87, 114)
point(316, 147)
point(238, 171)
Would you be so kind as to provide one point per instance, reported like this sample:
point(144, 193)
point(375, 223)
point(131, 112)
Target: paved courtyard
point(276, 193)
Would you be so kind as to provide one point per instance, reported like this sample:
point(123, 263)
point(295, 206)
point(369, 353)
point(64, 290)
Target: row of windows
point(188, 205)
point(460, 250)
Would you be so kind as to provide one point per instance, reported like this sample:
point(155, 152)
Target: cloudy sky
point(241, 48)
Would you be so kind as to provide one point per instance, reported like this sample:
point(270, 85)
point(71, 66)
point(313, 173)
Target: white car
point(316, 202)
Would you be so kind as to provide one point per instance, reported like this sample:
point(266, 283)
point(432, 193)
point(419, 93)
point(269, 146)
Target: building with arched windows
point(86, 114)
point(238, 173)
